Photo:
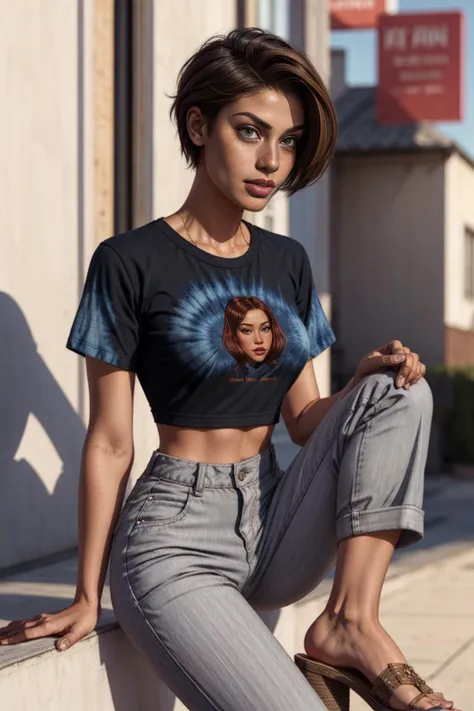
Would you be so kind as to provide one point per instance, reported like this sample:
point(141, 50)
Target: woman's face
point(254, 335)
point(251, 149)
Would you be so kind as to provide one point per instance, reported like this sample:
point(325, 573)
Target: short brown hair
point(242, 63)
point(234, 315)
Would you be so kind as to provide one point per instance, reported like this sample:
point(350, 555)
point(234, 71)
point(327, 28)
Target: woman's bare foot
point(365, 646)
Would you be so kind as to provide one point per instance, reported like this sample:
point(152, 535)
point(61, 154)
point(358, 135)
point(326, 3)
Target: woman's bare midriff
point(214, 446)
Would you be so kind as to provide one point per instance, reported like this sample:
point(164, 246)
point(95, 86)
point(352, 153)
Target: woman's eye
point(247, 132)
point(265, 329)
point(245, 331)
point(290, 142)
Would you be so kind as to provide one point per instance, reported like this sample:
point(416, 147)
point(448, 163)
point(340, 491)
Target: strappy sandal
point(333, 685)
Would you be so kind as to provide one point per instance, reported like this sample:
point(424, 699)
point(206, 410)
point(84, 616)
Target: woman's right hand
point(71, 625)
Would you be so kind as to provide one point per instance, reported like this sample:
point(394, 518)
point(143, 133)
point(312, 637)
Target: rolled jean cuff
point(408, 519)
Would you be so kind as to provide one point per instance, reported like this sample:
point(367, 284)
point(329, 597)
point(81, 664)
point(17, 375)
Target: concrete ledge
point(103, 672)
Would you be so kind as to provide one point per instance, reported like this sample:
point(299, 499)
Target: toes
point(439, 702)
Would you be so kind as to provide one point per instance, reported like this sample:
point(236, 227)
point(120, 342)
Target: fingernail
point(62, 645)
point(399, 357)
point(400, 382)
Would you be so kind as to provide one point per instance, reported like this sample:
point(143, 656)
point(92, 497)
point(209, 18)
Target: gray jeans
point(199, 547)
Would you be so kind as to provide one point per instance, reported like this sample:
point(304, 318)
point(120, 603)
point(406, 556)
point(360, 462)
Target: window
point(273, 15)
point(469, 263)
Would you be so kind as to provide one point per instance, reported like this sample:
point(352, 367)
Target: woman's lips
point(261, 191)
point(259, 351)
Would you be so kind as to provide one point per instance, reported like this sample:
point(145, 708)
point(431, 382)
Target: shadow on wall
point(38, 512)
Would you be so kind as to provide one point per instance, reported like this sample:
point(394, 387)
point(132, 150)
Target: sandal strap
point(413, 703)
point(393, 676)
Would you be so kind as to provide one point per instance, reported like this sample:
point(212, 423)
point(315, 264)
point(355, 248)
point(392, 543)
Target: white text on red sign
point(416, 37)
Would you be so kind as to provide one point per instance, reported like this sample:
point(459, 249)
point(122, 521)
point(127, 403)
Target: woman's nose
point(268, 159)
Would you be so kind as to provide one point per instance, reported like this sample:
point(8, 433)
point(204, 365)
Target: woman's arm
point(106, 462)
point(303, 407)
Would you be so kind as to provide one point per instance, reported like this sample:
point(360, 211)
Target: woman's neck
point(210, 216)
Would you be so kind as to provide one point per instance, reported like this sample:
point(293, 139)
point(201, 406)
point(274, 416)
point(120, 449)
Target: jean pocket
point(168, 502)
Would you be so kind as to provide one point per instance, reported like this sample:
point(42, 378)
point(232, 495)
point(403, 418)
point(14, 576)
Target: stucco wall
point(388, 232)
point(46, 239)
point(459, 311)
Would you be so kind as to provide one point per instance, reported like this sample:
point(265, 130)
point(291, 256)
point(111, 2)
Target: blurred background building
point(402, 235)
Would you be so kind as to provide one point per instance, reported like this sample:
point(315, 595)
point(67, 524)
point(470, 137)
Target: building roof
point(359, 131)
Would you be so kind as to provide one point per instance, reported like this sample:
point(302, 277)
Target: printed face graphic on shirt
point(251, 333)
point(221, 326)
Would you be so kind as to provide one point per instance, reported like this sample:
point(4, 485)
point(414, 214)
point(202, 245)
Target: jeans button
point(242, 474)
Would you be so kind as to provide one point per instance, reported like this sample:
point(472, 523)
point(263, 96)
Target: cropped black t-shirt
point(215, 341)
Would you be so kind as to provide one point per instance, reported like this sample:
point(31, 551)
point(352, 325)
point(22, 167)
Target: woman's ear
point(196, 125)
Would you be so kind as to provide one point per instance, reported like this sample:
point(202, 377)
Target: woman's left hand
point(393, 355)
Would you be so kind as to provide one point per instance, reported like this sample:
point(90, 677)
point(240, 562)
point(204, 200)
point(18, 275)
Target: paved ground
point(432, 619)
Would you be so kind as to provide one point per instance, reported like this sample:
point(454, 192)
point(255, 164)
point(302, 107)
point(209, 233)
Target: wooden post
point(103, 97)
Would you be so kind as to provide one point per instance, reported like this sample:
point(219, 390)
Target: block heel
point(333, 694)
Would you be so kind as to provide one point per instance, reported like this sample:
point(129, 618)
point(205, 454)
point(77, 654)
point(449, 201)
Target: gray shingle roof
point(359, 130)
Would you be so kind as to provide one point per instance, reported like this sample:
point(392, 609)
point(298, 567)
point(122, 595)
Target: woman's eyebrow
point(264, 124)
point(251, 325)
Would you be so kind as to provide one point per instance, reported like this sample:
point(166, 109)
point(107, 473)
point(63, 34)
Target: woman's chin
point(251, 203)
point(254, 204)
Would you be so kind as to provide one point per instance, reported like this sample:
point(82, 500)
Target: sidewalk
point(430, 613)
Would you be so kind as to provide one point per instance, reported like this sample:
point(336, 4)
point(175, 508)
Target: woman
point(252, 334)
point(213, 529)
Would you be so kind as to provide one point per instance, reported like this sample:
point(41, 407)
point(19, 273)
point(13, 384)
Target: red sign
point(356, 14)
point(420, 67)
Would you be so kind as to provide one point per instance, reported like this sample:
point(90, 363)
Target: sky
point(361, 61)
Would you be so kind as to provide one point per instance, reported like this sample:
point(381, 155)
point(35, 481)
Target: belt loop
point(151, 463)
point(200, 479)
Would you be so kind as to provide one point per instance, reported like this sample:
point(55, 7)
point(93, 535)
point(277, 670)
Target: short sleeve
point(106, 324)
point(311, 312)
